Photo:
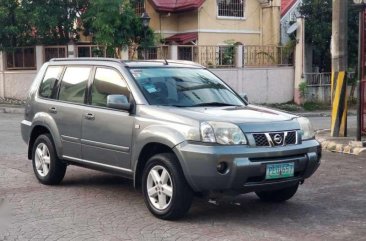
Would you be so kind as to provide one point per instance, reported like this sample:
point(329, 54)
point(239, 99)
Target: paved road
point(91, 205)
point(324, 122)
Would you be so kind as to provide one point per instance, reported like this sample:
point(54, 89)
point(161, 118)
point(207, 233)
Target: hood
point(237, 115)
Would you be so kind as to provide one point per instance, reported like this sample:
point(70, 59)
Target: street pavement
point(320, 123)
point(90, 205)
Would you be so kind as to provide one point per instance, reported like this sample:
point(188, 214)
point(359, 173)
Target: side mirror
point(244, 97)
point(119, 102)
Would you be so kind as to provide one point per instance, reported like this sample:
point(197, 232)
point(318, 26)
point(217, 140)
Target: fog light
point(222, 167)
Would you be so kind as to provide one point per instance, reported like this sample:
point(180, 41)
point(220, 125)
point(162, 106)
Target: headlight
point(222, 133)
point(306, 129)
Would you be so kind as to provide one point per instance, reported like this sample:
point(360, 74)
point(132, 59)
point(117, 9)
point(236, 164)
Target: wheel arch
point(43, 123)
point(148, 150)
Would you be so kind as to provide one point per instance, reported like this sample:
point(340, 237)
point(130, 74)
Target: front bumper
point(246, 165)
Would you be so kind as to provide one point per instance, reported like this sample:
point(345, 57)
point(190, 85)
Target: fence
point(227, 56)
point(318, 79)
point(149, 53)
point(216, 56)
point(209, 56)
point(268, 55)
point(318, 87)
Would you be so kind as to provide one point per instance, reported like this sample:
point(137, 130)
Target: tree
point(29, 22)
point(318, 28)
point(53, 21)
point(115, 25)
point(14, 28)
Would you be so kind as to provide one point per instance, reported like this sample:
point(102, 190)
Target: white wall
point(17, 83)
point(262, 85)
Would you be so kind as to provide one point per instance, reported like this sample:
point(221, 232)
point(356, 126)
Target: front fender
point(155, 134)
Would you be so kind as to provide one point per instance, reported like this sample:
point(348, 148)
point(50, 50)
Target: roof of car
point(130, 63)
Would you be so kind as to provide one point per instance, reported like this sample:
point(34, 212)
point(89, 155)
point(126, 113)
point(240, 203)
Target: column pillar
point(39, 56)
point(173, 52)
point(239, 56)
point(299, 60)
point(2, 74)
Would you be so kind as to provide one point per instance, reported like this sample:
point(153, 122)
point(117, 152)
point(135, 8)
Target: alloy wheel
point(159, 187)
point(42, 159)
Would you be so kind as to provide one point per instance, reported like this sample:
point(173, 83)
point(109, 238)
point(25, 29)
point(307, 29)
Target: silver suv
point(172, 126)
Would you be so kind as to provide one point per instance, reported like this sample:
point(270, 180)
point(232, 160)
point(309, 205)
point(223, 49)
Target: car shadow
point(243, 208)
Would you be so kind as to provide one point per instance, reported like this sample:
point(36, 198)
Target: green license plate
point(281, 170)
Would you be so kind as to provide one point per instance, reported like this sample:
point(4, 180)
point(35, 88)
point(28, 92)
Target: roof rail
point(184, 62)
point(165, 61)
point(87, 59)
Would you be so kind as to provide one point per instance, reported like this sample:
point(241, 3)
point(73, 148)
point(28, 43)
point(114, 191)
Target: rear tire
point(47, 167)
point(280, 195)
point(165, 189)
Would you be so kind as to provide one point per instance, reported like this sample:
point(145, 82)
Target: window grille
point(139, 7)
point(91, 51)
point(21, 59)
point(231, 8)
point(51, 52)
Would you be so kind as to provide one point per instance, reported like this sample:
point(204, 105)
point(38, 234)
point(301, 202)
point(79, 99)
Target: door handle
point(89, 116)
point(52, 110)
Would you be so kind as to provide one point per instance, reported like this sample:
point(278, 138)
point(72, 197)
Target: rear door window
point(48, 88)
point(74, 83)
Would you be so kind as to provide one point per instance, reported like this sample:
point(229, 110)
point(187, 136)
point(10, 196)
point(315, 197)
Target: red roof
point(286, 5)
point(176, 5)
point(183, 38)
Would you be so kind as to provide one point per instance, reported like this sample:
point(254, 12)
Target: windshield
point(184, 87)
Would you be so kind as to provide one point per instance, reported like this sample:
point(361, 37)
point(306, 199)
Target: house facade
point(290, 10)
point(215, 22)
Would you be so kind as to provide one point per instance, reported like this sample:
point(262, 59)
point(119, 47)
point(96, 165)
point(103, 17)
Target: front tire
point(280, 195)
point(166, 192)
point(47, 167)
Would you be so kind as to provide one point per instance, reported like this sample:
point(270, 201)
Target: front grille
point(260, 140)
point(275, 138)
point(291, 138)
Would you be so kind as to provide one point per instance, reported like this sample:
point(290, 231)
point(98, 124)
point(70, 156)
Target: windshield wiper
point(213, 104)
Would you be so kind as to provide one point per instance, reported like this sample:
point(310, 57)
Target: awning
point(176, 6)
point(183, 38)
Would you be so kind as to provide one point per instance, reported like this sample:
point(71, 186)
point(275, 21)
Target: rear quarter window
point(48, 87)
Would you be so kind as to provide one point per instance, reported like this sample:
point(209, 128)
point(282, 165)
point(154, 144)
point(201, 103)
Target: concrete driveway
point(90, 205)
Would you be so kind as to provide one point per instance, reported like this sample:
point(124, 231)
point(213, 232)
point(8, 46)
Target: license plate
point(281, 170)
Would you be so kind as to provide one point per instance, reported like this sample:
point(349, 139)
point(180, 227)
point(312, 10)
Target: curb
point(352, 148)
point(12, 110)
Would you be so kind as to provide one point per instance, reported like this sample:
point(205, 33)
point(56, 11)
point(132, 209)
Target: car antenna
point(166, 61)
